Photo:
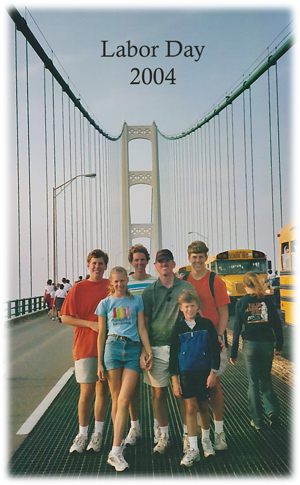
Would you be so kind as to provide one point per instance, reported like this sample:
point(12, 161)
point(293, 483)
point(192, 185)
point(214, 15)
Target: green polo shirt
point(161, 309)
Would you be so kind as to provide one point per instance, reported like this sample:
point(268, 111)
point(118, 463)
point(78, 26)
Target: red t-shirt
point(208, 304)
point(81, 302)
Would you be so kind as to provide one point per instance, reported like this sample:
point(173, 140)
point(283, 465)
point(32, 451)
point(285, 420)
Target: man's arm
point(78, 322)
point(223, 319)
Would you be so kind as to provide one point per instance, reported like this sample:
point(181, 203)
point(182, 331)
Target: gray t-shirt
point(161, 309)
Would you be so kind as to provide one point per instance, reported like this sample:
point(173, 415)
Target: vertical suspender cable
point(64, 178)
point(54, 174)
point(252, 167)
point(78, 266)
point(221, 191)
point(216, 186)
point(210, 188)
point(46, 170)
point(234, 184)
point(278, 145)
point(246, 176)
point(271, 169)
point(72, 188)
point(96, 191)
point(81, 186)
point(29, 169)
point(202, 182)
point(228, 178)
point(18, 162)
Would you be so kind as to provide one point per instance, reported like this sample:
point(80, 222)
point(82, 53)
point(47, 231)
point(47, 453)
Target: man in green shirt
point(161, 311)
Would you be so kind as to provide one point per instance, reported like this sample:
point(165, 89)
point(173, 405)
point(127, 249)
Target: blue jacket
point(194, 350)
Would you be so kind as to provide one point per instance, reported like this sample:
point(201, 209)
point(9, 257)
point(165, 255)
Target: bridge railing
point(15, 309)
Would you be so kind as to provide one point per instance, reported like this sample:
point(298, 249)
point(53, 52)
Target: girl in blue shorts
point(121, 328)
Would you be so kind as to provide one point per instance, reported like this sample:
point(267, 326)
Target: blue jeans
point(258, 356)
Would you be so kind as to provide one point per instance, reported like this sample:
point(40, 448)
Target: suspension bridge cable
point(221, 191)
point(210, 184)
point(29, 169)
point(252, 166)
point(234, 179)
point(76, 189)
point(46, 173)
point(278, 145)
point(64, 179)
point(23, 27)
point(228, 176)
point(18, 162)
point(72, 190)
point(216, 184)
point(246, 173)
point(271, 167)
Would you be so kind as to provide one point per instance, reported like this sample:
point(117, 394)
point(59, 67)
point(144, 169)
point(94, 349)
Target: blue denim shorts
point(121, 353)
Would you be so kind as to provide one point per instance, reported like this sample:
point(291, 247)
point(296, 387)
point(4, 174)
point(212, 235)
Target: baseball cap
point(164, 254)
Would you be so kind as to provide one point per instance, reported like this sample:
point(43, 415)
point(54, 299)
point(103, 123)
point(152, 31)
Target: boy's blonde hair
point(117, 269)
point(251, 281)
point(188, 296)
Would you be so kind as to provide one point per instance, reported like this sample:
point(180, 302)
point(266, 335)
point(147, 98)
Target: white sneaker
point(117, 460)
point(95, 442)
point(79, 444)
point(185, 442)
point(162, 444)
point(189, 457)
point(207, 446)
point(220, 441)
point(132, 436)
point(157, 433)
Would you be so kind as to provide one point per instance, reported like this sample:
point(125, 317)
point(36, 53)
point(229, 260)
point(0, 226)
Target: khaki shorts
point(159, 375)
point(86, 370)
point(223, 361)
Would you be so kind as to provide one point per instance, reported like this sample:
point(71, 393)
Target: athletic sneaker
point(207, 446)
point(274, 420)
point(132, 436)
point(254, 425)
point(79, 444)
point(220, 441)
point(162, 444)
point(157, 433)
point(189, 457)
point(117, 460)
point(185, 442)
point(95, 442)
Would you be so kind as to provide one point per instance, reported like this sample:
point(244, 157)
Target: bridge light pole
point(62, 187)
point(194, 232)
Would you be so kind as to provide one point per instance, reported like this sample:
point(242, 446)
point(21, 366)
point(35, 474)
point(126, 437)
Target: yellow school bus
point(287, 271)
point(231, 265)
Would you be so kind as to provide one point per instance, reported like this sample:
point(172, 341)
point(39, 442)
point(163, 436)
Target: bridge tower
point(148, 177)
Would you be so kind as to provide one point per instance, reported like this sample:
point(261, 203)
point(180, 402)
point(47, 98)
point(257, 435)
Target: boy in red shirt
point(78, 310)
point(215, 309)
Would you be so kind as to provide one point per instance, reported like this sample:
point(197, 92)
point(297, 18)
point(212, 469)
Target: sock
point(218, 426)
point(193, 442)
point(116, 449)
point(135, 424)
point(99, 427)
point(205, 433)
point(198, 420)
point(155, 424)
point(165, 429)
point(185, 429)
point(83, 430)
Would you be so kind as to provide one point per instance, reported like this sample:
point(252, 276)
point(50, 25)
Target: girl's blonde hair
point(251, 280)
point(117, 269)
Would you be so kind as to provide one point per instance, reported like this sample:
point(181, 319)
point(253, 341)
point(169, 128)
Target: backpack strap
point(212, 275)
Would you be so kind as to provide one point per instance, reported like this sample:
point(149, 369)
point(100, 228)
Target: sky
point(235, 39)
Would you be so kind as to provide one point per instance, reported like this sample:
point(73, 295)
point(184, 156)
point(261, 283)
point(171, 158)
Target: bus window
point(293, 254)
point(285, 256)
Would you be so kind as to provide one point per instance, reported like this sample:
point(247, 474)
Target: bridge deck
point(44, 452)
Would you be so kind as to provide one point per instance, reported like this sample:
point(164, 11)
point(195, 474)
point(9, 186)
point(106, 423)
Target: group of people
point(173, 331)
point(54, 295)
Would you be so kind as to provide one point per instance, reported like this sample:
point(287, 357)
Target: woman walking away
point(257, 320)
point(121, 319)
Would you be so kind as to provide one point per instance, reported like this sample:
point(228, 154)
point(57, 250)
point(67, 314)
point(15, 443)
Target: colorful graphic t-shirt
point(121, 315)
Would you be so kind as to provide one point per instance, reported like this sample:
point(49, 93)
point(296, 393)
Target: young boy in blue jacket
point(194, 362)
